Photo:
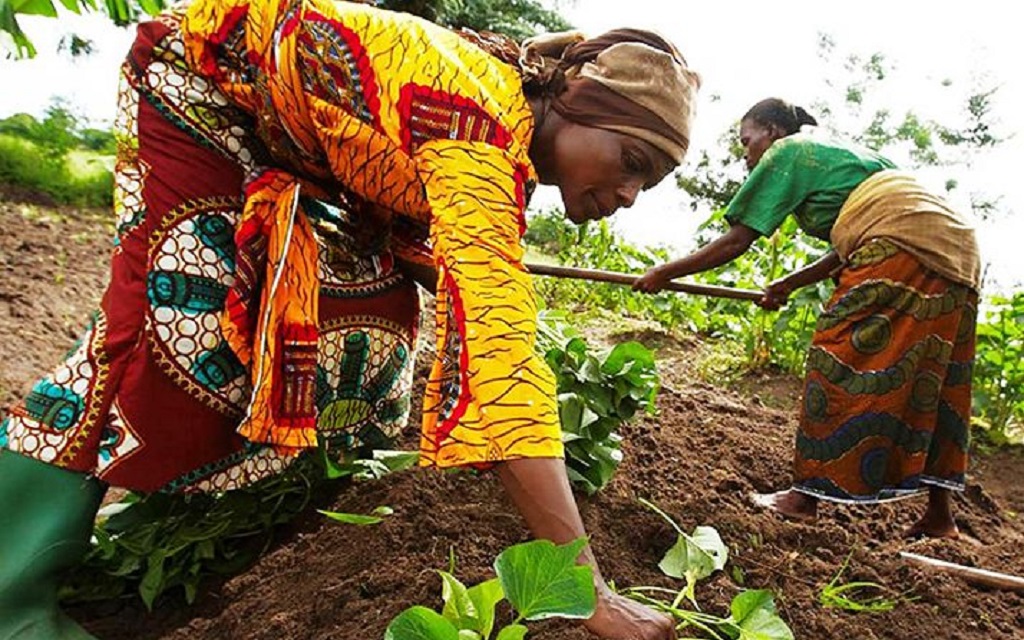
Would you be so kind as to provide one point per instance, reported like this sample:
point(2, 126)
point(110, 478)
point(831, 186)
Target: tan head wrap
point(628, 80)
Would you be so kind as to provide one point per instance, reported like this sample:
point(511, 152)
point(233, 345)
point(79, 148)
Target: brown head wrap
point(627, 80)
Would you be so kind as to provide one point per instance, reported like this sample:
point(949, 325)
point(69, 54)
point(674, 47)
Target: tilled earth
point(698, 459)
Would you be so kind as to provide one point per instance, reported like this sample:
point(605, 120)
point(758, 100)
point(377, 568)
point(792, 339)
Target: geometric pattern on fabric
point(192, 269)
point(149, 400)
point(887, 394)
point(59, 412)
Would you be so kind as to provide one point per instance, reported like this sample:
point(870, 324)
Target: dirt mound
point(697, 459)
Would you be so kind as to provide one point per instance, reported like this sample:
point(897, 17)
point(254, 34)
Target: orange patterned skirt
point(887, 396)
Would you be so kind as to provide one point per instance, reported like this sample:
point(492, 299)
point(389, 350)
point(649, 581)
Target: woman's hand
point(776, 295)
point(653, 281)
point(619, 618)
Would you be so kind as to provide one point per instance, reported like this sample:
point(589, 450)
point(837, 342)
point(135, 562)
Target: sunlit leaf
point(543, 580)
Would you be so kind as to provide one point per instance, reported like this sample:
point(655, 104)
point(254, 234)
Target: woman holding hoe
point(284, 175)
point(887, 395)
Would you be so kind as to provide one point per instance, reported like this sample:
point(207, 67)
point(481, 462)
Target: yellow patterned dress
point(275, 159)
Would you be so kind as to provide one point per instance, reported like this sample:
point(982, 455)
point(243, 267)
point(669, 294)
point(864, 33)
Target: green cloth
point(804, 174)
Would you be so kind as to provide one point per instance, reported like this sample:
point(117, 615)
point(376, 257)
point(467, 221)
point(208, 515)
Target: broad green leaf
point(570, 412)
point(753, 613)
point(695, 557)
point(35, 8)
point(351, 518)
point(468, 634)
point(485, 596)
point(512, 632)
point(765, 625)
point(153, 581)
point(542, 580)
point(627, 353)
point(397, 460)
point(746, 602)
point(458, 606)
point(420, 623)
point(708, 539)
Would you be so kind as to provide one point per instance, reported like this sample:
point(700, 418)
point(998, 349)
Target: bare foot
point(931, 527)
point(937, 521)
point(789, 503)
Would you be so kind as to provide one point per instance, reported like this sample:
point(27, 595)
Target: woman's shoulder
point(823, 145)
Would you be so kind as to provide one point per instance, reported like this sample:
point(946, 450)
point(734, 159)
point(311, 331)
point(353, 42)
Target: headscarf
point(626, 80)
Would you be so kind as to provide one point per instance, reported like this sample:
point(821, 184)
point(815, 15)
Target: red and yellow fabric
point(219, 130)
point(273, 328)
point(442, 141)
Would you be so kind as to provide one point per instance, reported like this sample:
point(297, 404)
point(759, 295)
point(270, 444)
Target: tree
point(517, 19)
point(514, 18)
point(121, 12)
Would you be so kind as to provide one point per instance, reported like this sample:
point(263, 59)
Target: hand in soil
point(789, 503)
point(619, 618)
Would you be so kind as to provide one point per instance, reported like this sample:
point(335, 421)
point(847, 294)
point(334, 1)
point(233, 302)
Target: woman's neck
point(545, 125)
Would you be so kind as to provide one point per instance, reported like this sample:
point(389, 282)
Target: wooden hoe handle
point(596, 275)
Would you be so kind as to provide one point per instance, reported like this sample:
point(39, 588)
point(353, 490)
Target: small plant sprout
point(693, 557)
point(752, 614)
point(539, 579)
point(858, 596)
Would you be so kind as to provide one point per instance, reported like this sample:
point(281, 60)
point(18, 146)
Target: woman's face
point(756, 138)
point(598, 171)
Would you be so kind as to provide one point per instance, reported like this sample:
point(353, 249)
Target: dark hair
point(775, 111)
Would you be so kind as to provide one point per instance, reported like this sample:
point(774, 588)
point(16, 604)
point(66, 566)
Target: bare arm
point(776, 294)
point(726, 248)
point(539, 487)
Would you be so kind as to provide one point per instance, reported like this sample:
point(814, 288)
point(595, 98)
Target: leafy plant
point(999, 369)
point(597, 393)
point(693, 557)
point(121, 12)
point(158, 543)
point(539, 579)
point(752, 613)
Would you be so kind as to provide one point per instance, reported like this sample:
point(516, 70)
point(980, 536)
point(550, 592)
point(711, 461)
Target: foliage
point(752, 614)
point(768, 338)
point(517, 19)
point(158, 543)
point(539, 579)
point(597, 393)
point(121, 12)
point(999, 369)
point(35, 154)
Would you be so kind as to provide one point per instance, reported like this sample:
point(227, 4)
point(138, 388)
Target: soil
point(707, 448)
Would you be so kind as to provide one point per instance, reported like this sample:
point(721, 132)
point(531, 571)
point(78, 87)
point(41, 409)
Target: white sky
point(744, 50)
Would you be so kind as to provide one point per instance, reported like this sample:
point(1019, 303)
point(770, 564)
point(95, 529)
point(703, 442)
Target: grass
point(82, 178)
point(858, 596)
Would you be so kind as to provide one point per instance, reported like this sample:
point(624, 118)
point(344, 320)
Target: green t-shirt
point(806, 175)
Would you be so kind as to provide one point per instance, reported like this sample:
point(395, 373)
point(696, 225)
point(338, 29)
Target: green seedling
point(857, 596)
point(539, 579)
point(693, 557)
